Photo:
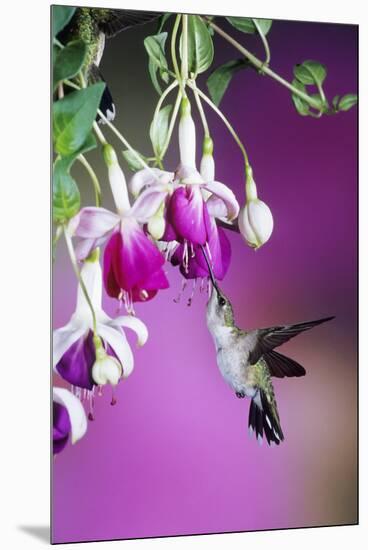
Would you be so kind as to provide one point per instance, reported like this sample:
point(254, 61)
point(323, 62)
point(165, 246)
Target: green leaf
point(132, 160)
point(65, 193)
point(155, 47)
point(200, 45)
point(335, 102)
point(73, 117)
point(162, 21)
point(300, 105)
point(159, 129)
point(88, 145)
point(61, 15)
point(347, 102)
point(310, 72)
point(220, 79)
point(69, 61)
point(152, 69)
point(245, 24)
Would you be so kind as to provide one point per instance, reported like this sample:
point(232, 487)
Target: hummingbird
point(247, 360)
point(93, 26)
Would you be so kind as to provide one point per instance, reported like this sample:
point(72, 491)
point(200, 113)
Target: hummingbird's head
point(219, 310)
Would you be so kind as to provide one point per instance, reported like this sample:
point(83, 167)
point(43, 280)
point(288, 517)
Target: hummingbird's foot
point(240, 394)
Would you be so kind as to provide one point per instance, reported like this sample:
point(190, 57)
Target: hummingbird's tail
point(264, 418)
point(107, 105)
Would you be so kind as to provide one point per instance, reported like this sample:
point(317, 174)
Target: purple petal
point(61, 427)
point(219, 256)
point(76, 364)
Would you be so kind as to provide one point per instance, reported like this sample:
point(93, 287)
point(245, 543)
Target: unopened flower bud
point(106, 369)
point(255, 218)
point(156, 224)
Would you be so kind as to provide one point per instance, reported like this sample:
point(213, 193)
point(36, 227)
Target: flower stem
point(200, 109)
point(224, 120)
point(264, 40)
point(173, 48)
point(99, 133)
point(74, 263)
point(126, 144)
point(184, 61)
point(96, 185)
point(266, 70)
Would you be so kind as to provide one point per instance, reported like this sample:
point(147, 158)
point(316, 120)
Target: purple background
point(173, 456)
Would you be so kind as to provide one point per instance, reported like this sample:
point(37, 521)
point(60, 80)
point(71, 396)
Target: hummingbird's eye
point(221, 301)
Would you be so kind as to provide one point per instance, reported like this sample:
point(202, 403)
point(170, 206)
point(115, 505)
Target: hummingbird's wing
point(116, 21)
point(266, 339)
point(281, 366)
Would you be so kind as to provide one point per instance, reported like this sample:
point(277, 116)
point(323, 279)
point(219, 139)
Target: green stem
point(127, 144)
point(201, 111)
point(74, 263)
point(72, 84)
point(264, 40)
point(92, 174)
point(99, 133)
point(184, 61)
point(224, 120)
point(172, 124)
point(266, 70)
point(173, 47)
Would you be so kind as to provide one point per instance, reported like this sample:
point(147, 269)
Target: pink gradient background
point(173, 457)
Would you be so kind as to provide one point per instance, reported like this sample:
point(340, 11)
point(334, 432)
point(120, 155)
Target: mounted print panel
point(204, 274)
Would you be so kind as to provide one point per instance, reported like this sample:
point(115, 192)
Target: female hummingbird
point(247, 360)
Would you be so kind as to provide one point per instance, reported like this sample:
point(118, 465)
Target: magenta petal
point(132, 262)
point(111, 285)
point(61, 427)
point(187, 212)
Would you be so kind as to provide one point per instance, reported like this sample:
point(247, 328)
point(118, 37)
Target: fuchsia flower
point(191, 204)
point(69, 419)
point(132, 262)
point(84, 360)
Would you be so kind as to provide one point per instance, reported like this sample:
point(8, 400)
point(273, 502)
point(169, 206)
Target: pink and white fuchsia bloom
point(132, 262)
point(84, 359)
point(188, 212)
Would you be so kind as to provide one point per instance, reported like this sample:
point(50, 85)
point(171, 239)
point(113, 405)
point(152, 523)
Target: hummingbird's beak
point(212, 277)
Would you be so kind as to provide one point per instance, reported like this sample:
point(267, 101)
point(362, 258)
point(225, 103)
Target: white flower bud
point(156, 227)
point(255, 222)
point(255, 219)
point(106, 370)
